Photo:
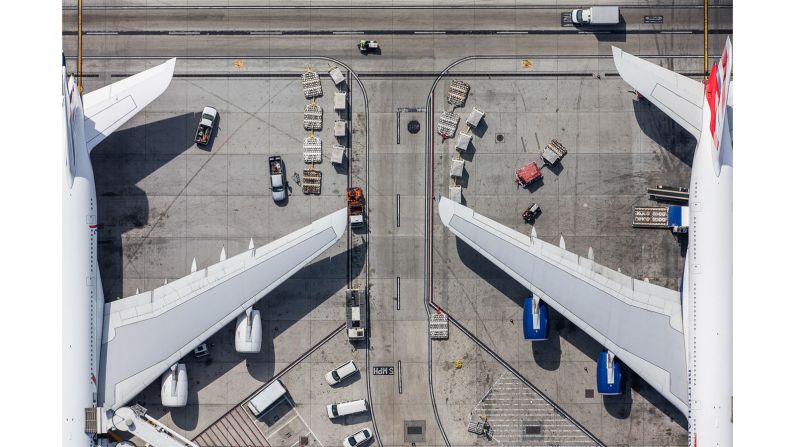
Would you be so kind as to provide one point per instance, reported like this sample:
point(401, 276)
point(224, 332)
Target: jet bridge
point(134, 420)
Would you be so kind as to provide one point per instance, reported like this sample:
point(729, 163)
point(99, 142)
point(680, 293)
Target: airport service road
point(411, 39)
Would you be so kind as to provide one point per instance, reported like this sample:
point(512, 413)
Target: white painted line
point(275, 431)
point(307, 427)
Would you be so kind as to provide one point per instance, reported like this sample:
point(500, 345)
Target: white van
point(346, 408)
point(267, 397)
point(339, 373)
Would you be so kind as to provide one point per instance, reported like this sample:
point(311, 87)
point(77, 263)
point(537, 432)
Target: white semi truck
point(596, 15)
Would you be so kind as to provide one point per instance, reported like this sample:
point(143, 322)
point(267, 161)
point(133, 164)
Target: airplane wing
point(111, 106)
point(143, 335)
point(681, 98)
point(640, 322)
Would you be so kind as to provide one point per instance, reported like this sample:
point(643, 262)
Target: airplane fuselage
point(708, 289)
point(83, 300)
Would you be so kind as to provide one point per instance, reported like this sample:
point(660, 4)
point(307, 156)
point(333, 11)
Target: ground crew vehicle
point(527, 174)
point(267, 397)
point(340, 373)
point(355, 198)
point(278, 181)
point(358, 438)
point(595, 15)
point(345, 408)
point(366, 46)
point(531, 212)
point(205, 126)
point(553, 152)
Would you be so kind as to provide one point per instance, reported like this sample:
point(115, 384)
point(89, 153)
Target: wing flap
point(680, 97)
point(145, 334)
point(640, 322)
point(110, 107)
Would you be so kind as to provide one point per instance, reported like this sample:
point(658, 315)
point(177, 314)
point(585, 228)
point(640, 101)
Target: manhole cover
point(500, 138)
point(413, 126)
point(589, 393)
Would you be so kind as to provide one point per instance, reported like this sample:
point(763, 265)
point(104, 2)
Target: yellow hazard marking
point(239, 64)
point(458, 364)
point(527, 63)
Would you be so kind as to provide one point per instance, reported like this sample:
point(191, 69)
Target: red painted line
point(92, 226)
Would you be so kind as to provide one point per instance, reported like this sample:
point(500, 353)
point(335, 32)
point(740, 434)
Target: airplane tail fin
point(718, 97)
point(110, 107)
point(681, 98)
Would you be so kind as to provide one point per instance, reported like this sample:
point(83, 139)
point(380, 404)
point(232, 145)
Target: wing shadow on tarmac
point(284, 307)
point(120, 162)
point(664, 131)
point(132, 155)
point(547, 353)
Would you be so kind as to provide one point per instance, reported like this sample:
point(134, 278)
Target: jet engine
point(609, 378)
point(174, 386)
point(536, 320)
point(248, 332)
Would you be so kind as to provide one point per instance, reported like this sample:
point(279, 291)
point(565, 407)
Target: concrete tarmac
point(163, 200)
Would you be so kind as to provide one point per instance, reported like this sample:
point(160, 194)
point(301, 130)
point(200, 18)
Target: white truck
point(277, 178)
point(595, 15)
point(267, 397)
point(205, 126)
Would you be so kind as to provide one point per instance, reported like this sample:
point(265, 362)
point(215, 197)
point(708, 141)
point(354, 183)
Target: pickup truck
point(278, 181)
point(205, 126)
point(596, 15)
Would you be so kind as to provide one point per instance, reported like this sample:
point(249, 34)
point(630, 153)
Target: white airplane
point(680, 342)
point(112, 351)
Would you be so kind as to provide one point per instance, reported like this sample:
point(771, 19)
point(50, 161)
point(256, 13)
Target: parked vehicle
point(340, 373)
point(205, 129)
point(278, 180)
point(345, 408)
point(267, 397)
point(358, 438)
point(595, 15)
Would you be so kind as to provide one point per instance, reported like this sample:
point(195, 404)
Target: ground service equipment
point(669, 194)
point(355, 197)
point(366, 46)
point(205, 126)
point(553, 152)
point(311, 182)
point(527, 174)
point(355, 314)
point(336, 75)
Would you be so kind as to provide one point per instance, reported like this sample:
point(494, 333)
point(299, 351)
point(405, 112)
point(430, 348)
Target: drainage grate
point(413, 126)
point(413, 431)
point(500, 138)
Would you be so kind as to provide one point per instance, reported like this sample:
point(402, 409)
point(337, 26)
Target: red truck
point(527, 174)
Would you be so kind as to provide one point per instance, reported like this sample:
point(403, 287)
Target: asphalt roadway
point(166, 201)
